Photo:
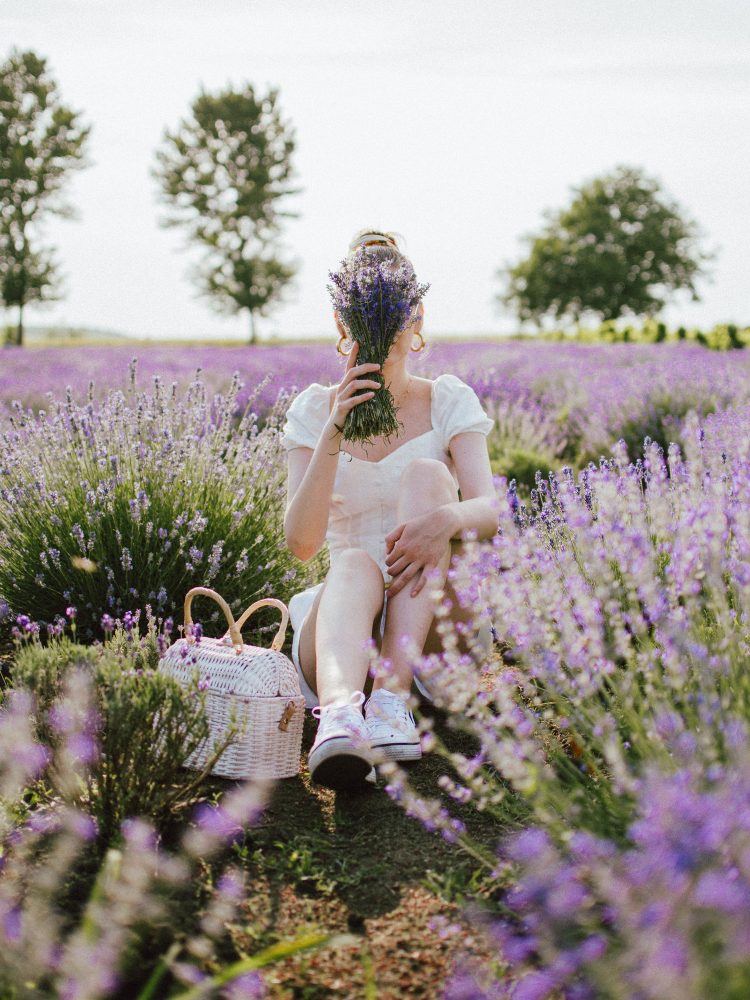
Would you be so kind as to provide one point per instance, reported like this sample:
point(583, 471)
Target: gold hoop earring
point(416, 350)
point(343, 338)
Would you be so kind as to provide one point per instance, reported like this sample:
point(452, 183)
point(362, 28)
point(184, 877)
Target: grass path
point(357, 865)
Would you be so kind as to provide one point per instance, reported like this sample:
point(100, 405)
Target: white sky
point(455, 123)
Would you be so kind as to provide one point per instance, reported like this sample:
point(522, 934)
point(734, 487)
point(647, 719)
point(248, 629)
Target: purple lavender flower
point(248, 986)
point(376, 295)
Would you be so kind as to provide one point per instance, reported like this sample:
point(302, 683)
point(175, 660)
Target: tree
point(622, 246)
point(225, 173)
point(41, 142)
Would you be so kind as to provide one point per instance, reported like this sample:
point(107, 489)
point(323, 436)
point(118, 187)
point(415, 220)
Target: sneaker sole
point(339, 766)
point(400, 751)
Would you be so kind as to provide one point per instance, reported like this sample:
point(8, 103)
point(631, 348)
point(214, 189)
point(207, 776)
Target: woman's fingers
point(352, 357)
point(393, 536)
point(356, 378)
point(361, 383)
point(349, 402)
point(349, 391)
point(423, 578)
point(402, 579)
point(395, 568)
point(366, 369)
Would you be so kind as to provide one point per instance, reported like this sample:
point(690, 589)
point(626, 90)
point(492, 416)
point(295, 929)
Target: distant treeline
point(722, 337)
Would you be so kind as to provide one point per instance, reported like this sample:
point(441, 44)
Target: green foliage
point(722, 337)
point(620, 247)
point(41, 141)
point(143, 722)
point(525, 438)
point(140, 500)
point(521, 465)
point(224, 173)
point(725, 337)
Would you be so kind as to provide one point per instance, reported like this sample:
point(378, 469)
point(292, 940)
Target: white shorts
point(299, 607)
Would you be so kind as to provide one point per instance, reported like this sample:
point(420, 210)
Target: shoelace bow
point(355, 699)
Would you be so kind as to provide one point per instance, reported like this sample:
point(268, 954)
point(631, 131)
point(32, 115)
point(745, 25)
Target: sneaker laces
point(339, 711)
point(389, 707)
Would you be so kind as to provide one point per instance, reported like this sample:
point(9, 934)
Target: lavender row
point(620, 734)
point(554, 402)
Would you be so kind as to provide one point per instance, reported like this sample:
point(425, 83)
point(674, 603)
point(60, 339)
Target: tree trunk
point(19, 331)
point(252, 327)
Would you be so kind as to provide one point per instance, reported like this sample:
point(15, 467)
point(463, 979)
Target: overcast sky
point(455, 123)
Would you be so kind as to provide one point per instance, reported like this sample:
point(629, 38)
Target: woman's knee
point(428, 475)
point(357, 564)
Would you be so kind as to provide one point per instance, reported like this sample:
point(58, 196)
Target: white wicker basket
point(259, 685)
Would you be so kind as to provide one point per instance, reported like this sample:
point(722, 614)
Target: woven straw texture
point(253, 688)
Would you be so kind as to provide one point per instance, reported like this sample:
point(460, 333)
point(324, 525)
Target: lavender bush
point(376, 296)
point(81, 920)
point(624, 595)
point(134, 734)
point(105, 507)
point(666, 917)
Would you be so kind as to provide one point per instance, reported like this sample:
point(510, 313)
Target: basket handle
point(278, 639)
point(234, 627)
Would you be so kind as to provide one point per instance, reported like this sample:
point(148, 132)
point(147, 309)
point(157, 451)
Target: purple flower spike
point(249, 986)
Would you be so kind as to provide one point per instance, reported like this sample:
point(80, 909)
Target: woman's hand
point(416, 547)
point(353, 380)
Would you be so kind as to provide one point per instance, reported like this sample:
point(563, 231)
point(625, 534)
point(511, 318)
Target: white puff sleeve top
point(363, 502)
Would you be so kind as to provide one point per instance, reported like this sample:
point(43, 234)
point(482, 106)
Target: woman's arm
point(477, 510)
point(422, 540)
point(312, 471)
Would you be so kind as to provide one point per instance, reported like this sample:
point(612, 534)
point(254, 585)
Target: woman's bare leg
point(469, 630)
point(332, 654)
point(425, 484)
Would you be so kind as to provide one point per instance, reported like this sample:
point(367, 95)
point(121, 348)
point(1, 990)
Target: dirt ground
point(355, 865)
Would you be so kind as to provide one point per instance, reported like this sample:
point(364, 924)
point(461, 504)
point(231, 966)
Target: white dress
point(363, 500)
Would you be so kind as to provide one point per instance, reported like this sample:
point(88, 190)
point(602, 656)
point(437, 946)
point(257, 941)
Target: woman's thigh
point(457, 615)
point(307, 636)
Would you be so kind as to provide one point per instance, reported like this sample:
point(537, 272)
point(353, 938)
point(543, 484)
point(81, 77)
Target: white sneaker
point(341, 756)
point(390, 726)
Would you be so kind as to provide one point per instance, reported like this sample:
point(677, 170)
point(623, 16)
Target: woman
point(391, 516)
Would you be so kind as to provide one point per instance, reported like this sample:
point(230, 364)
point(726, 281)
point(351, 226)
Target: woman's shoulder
point(448, 386)
point(312, 396)
point(306, 415)
point(457, 407)
point(448, 379)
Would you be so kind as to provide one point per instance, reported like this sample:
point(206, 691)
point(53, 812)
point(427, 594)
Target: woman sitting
point(391, 516)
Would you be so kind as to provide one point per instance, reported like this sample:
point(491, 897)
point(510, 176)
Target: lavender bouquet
point(376, 294)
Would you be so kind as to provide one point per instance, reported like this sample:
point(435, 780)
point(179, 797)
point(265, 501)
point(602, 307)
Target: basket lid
point(254, 672)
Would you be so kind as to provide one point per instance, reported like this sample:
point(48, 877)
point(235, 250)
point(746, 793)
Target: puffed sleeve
point(306, 417)
point(457, 409)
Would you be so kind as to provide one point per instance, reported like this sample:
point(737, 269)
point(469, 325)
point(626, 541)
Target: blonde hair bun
point(375, 237)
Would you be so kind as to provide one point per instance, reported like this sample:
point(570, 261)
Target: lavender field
point(553, 403)
point(591, 805)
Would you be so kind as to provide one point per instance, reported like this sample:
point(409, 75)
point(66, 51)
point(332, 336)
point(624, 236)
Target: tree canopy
point(41, 141)
point(224, 173)
point(622, 246)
